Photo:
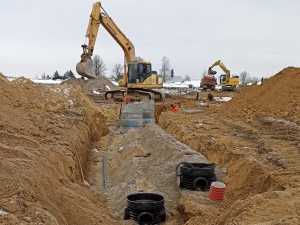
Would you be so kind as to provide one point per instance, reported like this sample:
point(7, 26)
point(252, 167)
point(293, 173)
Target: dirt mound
point(257, 161)
point(101, 84)
point(94, 88)
point(78, 81)
point(277, 96)
point(2, 75)
point(46, 133)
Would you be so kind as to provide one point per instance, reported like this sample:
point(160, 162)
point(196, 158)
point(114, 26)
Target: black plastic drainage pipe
point(105, 153)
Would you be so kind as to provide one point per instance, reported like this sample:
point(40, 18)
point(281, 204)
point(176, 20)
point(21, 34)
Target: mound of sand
point(101, 84)
point(46, 133)
point(277, 96)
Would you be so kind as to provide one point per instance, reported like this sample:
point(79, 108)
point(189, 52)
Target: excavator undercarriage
point(135, 95)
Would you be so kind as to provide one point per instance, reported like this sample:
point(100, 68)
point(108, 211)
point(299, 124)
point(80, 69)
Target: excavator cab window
point(132, 73)
point(222, 78)
point(144, 71)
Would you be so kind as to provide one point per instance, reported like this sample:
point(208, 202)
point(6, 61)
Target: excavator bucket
point(85, 69)
point(211, 72)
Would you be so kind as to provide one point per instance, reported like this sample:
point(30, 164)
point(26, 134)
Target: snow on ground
point(222, 99)
point(46, 81)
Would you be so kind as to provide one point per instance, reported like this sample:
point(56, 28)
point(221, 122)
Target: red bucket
point(216, 191)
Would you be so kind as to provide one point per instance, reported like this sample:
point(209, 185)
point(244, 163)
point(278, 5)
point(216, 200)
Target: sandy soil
point(45, 132)
point(254, 139)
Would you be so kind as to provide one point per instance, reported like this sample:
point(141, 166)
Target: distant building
point(175, 79)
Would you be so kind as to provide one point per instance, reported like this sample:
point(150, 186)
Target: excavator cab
point(138, 72)
point(222, 78)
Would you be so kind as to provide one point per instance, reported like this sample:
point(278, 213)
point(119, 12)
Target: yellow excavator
point(139, 81)
point(227, 82)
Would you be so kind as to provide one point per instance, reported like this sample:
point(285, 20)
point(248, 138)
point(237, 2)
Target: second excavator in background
point(227, 82)
point(139, 82)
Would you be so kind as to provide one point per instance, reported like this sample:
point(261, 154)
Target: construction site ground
point(53, 139)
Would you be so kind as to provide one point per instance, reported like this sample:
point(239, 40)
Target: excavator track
point(135, 95)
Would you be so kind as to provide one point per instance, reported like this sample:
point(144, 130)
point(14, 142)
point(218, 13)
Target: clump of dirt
point(46, 133)
point(277, 96)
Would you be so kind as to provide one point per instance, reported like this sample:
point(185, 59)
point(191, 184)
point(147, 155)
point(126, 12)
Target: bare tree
point(44, 77)
point(99, 65)
point(139, 59)
point(116, 72)
point(253, 80)
point(165, 68)
point(187, 77)
point(244, 77)
point(204, 73)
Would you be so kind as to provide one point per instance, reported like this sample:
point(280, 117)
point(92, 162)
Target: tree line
point(117, 70)
point(166, 71)
point(57, 76)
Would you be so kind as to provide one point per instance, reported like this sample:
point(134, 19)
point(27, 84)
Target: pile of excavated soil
point(94, 88)
point(259, 161)
point(255, 139)
point(46, 133)
point(277, 96)
point(101, 84)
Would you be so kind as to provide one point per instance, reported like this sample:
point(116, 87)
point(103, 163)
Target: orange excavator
point(139, 82)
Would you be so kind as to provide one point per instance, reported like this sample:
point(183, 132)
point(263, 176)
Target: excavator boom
point(221, 65)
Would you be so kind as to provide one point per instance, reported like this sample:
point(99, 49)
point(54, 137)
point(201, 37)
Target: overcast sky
point(257, 36)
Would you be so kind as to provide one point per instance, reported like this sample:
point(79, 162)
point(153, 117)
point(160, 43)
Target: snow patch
point(3, 212)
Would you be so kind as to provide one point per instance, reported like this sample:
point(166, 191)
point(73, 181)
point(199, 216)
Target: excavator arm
point(97, 17)
point(222, 66)
point(85, 66)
